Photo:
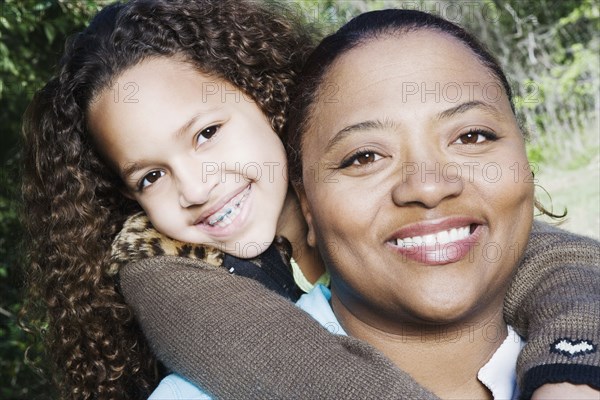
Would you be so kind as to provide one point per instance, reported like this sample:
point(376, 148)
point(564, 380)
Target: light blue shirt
point(498, 374)
point(174, 387)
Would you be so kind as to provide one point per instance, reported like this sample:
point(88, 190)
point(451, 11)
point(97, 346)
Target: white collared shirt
point(499, 374)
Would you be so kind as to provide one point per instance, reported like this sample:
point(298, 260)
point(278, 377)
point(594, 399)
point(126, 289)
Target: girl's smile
point(226, 214)
point(228, 217)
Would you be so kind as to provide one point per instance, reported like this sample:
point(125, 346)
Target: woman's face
point(416, 183)
point(196, 153)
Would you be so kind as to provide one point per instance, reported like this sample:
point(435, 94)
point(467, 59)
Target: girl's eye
point(151, 178)
point(476, 136)
point(205, 134)
point(361, 158)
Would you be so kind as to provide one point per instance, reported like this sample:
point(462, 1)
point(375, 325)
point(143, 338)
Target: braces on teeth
point(229, 211)
point(222, 217)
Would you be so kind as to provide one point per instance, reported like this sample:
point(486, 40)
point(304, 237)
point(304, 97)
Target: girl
point(76, 201)
point(75, 211)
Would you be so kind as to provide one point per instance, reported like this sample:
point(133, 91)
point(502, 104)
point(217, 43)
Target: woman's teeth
point(443, 237)
point(230, 211)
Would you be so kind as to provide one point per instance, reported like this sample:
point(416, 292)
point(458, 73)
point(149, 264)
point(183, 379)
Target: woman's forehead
point(419, 56)
point(424, 72)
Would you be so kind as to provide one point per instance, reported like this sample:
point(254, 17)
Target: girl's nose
point(195, 187)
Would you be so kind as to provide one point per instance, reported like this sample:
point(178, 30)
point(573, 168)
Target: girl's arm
point(236, 339)
point(554, 301)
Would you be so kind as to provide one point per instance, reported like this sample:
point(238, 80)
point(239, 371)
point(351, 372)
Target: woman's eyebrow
point(360, 127)
point(469, 105)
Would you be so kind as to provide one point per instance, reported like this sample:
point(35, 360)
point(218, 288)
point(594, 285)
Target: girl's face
point(416, 183)
point(198, 155)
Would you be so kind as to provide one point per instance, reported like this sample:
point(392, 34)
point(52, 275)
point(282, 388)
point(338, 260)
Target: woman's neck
point(292, 226)
point(443, 358)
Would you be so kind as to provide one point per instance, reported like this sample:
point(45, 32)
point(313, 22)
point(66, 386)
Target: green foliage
point(550, 50)
point(32, 36)
point(18, 379)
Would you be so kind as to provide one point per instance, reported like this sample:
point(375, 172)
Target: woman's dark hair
point(362, 29)
point(73, 207)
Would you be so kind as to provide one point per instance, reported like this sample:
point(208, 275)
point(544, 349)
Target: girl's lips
point(437, 243)
point(229, 211)
point(212, 213)
point(227, 219)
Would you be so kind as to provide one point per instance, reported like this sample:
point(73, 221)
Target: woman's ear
point(311, 238)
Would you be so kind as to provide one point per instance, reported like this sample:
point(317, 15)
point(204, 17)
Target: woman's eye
point(361, 158)
point(151, 178)
point(205, 134)
point(475, 137)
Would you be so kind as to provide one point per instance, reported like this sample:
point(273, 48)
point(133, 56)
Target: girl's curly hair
point(73, 206)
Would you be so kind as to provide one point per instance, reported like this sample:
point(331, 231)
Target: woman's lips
point(437, 243)
point(441, 237)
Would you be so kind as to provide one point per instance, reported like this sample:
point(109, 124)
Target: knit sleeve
point(554, 301)
point(236, 339)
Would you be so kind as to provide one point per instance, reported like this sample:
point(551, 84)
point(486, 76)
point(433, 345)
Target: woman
point(421, 268)
point(421, 263)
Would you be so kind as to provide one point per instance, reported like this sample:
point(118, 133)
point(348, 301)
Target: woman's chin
point(445, 310)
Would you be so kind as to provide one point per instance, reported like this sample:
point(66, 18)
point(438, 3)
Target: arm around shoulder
point(554, 300)
point(237, 339)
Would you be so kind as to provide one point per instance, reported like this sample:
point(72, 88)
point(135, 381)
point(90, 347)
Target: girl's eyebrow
point(130, 169)
point(134, 167)
point(185, 127)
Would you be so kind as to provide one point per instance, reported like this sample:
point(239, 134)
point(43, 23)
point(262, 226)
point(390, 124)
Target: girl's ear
point(311, 238)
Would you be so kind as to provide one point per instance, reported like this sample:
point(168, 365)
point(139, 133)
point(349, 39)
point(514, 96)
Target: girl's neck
point(292, 226)
point(444, 358)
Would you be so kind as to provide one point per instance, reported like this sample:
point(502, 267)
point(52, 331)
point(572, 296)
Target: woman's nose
point(427, 182)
